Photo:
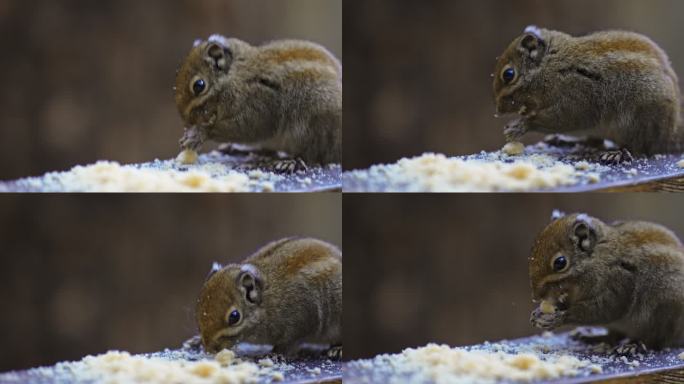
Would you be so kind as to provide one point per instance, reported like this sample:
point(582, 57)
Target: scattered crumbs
point(110, 176)
point(539, 167)
point(209, 172)
point(537, 358)
point(487, 363)
point(185, 365)
point(438, 173)
point(118, 366)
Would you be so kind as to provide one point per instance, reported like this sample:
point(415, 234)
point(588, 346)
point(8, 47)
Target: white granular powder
point(443, 364)
point(122, 367)
point(106, 176)
point(439, 173)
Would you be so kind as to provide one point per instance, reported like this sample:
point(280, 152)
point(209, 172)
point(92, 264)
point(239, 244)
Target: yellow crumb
point(187, 156)
point(593, 177)
point(225, 357)
point(205, 369)
point(513, 148)
point(547, 307)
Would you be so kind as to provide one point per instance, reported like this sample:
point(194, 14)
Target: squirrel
point(615, 85)
point(287, 293)
point(627, 276)
point(284, 96)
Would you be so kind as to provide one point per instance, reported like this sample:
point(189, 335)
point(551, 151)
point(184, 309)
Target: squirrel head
point(203, 77)
point(563, 256)
point(515, 70)
point(228, 307)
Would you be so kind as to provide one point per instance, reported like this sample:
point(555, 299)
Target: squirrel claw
point(289, 166)
point(335, 352)
point(620, 156)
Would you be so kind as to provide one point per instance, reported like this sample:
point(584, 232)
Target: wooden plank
point(662, 366)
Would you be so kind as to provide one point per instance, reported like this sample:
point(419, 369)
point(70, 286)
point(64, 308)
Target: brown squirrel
point(287, 293)
point(615, 85)
point(627, 276)
point(282, 96)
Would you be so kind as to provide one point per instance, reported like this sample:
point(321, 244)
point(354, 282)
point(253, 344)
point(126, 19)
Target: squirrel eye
point(234, 317)
point(508, 75)
point(198, 86)
point(560, 263)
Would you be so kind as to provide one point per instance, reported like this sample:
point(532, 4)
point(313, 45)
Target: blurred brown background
point(86, 274)
point(89, 80)
point(417, 72)
point(453, 268)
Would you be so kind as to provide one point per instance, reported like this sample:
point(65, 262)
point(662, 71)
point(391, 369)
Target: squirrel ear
point(557, 214)
point(532, 45)
point(249, 281)
point(584, 233)
point(218, 56)
point(214, 268)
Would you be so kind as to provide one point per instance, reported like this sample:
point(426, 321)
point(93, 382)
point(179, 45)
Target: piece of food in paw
point(547, 308)
point(513, 148)
point(187, 156)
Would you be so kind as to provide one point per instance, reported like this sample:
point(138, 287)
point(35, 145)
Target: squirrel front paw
point(193, 344)
point(547, 321)
point(193, 138)
point(289, 166)
point(616, 157)
point(335, 352)
point(514, 130)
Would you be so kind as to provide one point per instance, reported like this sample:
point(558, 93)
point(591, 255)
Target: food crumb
point(680, 164)
point(225, 357)
point(681, 356)
point(315, 371)
point(593, 177)
point(582, 165)
point(513, 148)
point(266, 362)
point(187, 156)
point(546, 307)
point(595, 368)
point(205, 369)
